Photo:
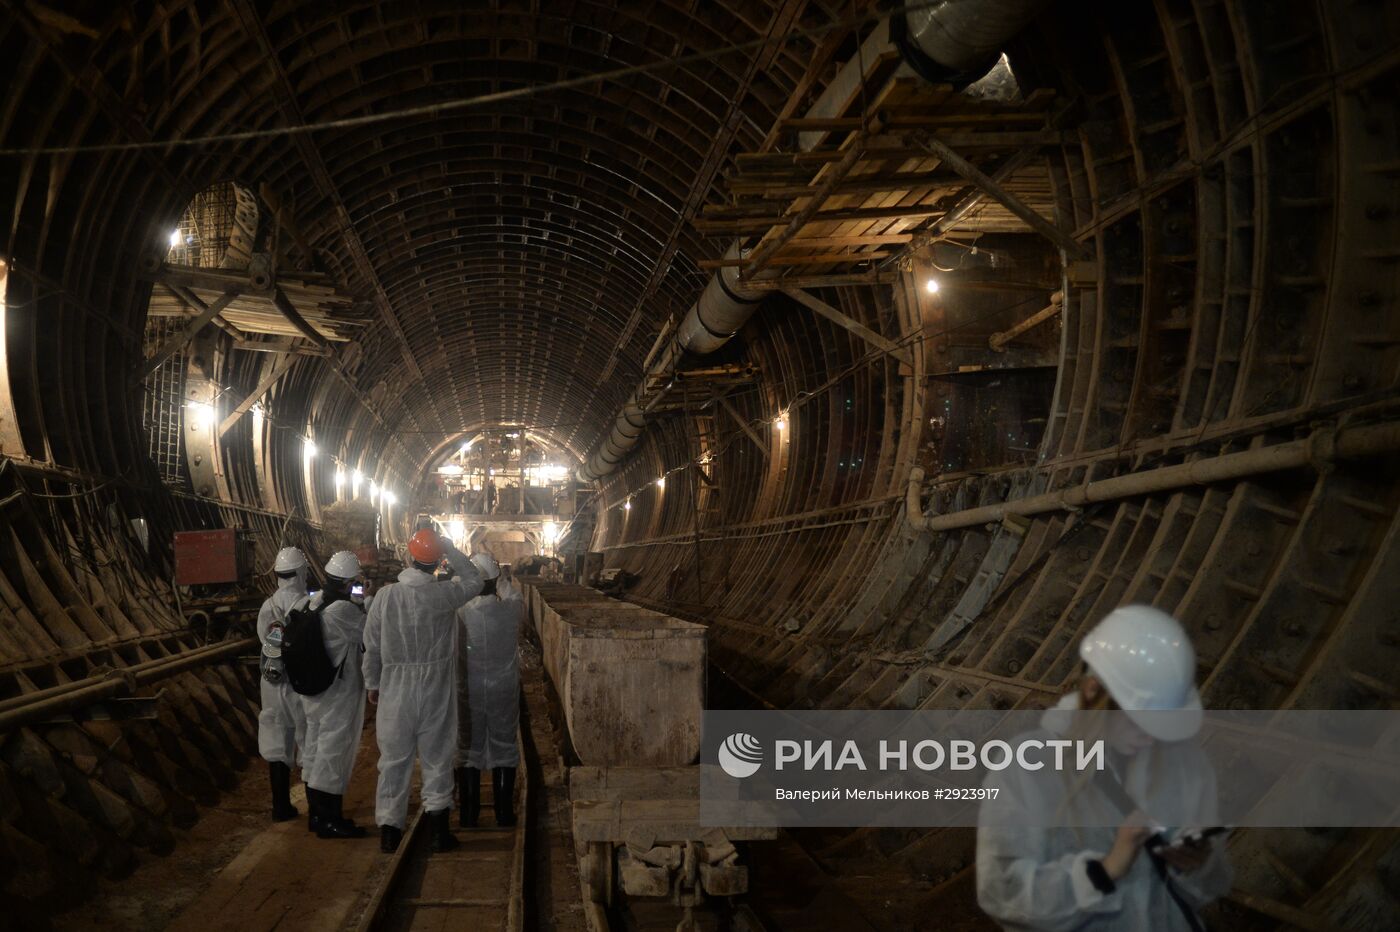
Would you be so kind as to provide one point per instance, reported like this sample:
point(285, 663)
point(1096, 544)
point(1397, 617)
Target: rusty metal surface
point(1230, 167)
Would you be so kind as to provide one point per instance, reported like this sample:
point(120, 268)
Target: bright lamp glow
point(556, 473)
point(627, 505)
point(339, 479)
point(390, 499)
point(551, 532)
point(781, 422)
point(450, 469)
point(661, 483)
point(931, 286)
point(355, 480)
point(309, 448)
point(175, 238)
point(464, 448)
point(373, 492)
point(201, 415)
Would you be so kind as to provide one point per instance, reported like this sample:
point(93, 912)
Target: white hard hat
point(289, 559)
point(344, 565)
point(490, 569)
point(1145, 660)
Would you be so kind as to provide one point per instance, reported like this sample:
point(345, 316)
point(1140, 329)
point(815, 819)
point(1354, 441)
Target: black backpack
point(304, 658)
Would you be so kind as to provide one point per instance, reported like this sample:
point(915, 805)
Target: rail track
point(480, 885)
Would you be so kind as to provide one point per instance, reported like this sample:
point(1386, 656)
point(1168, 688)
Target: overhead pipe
point(1321, 447)
point(956, 35)
point(959, 41)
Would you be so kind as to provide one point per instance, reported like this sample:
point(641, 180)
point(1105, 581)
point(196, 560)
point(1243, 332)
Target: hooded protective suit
point(411, 658)
point(335, 718)
point(492, 634)
point(282, 720)
point(1033, 877)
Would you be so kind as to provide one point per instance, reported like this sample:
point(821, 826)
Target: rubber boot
point(389, 838)
point(503, 787)
point(468, 796)
point(280, 776)
point(313, 810)
point(333, 821)
point(443, 839)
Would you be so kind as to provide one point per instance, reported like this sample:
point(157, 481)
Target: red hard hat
point(424, 547)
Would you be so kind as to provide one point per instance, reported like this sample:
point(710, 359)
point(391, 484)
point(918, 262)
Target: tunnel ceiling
point(517, 256)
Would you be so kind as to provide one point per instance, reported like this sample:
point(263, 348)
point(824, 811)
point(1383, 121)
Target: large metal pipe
point(959, 32)
point(959, 41)
point(1321, 447)
point(22, 710)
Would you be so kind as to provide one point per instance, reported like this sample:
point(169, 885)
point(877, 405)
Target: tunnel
point(880, 349)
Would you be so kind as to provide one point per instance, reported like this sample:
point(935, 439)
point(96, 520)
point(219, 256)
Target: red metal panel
point(206, 557)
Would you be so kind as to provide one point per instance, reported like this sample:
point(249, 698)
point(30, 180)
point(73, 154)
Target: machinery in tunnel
point(884, 349)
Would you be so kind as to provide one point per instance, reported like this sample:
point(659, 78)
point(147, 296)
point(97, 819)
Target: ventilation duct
point(940, 42)
point(959, 41)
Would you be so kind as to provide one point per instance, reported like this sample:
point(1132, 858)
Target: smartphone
point(1195, 836)
point(358, 591)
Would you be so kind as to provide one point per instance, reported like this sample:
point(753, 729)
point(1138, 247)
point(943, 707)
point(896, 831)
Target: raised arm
point(468, 578)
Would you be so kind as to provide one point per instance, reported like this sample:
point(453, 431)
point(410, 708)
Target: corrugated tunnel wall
point(1231, 168)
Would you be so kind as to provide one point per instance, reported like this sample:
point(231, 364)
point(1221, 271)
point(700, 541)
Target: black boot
point(503, 788)
point(280, 776)
point(333, 821)
point(389, 838)
point(313, 809)
point(468, 796)
point(443, 839)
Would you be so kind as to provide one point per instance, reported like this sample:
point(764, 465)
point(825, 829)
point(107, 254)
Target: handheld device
point(1195, 836)
point(358, 591)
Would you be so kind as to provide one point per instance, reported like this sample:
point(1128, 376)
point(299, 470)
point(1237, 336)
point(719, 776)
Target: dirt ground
point(234, 855)
point(161, 887)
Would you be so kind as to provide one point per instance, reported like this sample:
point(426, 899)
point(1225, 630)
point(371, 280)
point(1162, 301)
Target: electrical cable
point(481, 100)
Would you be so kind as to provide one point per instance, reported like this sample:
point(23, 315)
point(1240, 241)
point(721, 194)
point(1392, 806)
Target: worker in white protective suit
point(1048, 854)
point(491, 632)
point(282, 719)
point(335, 717)
point(410, 668)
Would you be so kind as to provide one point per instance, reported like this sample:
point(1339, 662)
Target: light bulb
point(175, 238)
point(781, 422)
point(931, 286)
point(201, 415)
point(661, 483)
point(309, 448)
point(627, 505)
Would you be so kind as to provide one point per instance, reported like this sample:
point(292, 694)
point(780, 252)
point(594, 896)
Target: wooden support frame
point(177, 343)
point(279, 368)
point(745, 426)
point(855, 148)
point(941, 150)
point(822, 309)
point(289, 311)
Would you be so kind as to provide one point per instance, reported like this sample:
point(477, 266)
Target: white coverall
point(411, 658)
point(282, 720)
point(492, 632)
point(335, 718)
point(1033, 877)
